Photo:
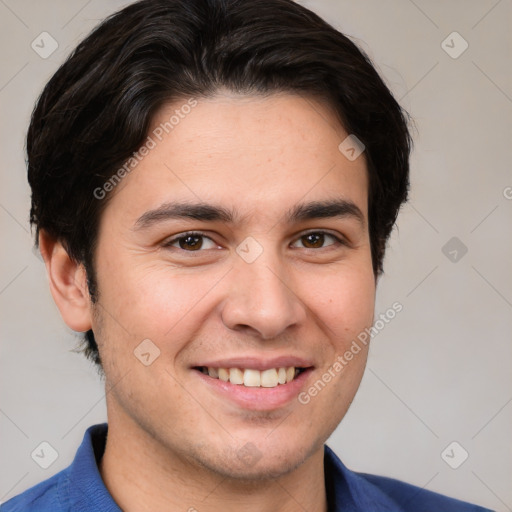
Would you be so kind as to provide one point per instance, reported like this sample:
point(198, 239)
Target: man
point(213, 185)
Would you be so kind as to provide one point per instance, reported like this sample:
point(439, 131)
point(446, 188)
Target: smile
point(248, 377)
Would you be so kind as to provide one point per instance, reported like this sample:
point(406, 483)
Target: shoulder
point(43, 497)
point(416, 499)
point(372, 492)
point(78, 487)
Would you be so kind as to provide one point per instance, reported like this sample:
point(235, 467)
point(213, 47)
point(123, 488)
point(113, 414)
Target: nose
point(261, 300)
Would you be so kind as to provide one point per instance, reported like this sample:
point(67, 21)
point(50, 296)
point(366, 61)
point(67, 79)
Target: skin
point(174, 442)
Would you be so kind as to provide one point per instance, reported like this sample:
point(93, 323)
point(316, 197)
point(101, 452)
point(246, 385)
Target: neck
point(141, 476)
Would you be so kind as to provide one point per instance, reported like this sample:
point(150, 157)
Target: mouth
point(253, 378)
point(252, 384)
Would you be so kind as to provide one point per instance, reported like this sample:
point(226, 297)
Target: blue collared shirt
point(79, 488)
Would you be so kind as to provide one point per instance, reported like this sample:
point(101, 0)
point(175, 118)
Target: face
point(236, 248)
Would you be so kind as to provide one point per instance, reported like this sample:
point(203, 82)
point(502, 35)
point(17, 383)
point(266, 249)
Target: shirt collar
point(348, 491)
point(85, 487)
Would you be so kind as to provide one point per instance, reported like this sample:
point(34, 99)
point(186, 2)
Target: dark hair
point(96, 110)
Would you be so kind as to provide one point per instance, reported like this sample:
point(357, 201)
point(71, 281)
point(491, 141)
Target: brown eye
point(313, 240)
point(317, 240)
point(191, 242)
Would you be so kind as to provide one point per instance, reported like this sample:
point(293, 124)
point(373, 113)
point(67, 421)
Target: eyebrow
point(336, 208)
point(199, 211)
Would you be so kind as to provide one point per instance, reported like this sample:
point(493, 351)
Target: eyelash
point(181, 236)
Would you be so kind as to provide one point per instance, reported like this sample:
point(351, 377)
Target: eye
point(317, 240)
point(191, 242)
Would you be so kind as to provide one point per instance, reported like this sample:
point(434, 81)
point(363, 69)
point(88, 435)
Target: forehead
point(258, 155)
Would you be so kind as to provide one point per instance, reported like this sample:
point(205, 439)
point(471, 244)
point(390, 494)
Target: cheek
point(345, 303)
point(157, 301)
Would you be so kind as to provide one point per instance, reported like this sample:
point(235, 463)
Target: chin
point(250, 463)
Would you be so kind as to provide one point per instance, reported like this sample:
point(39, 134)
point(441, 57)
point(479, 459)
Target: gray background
point(439, 372)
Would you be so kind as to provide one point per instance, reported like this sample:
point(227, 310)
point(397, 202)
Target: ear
point(68, 283)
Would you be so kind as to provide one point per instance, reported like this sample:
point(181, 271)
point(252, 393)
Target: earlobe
point(68, 283)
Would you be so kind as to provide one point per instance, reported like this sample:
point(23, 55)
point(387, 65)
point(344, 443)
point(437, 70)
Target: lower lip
point(257, 398)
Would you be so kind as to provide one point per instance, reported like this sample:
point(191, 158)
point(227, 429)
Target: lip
point(257, 363)
point(256, 398)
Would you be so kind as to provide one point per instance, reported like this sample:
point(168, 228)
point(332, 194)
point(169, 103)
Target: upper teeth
point(253, 378)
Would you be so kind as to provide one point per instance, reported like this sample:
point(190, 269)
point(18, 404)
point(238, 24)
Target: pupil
point(314, 240)
point(193, 242)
